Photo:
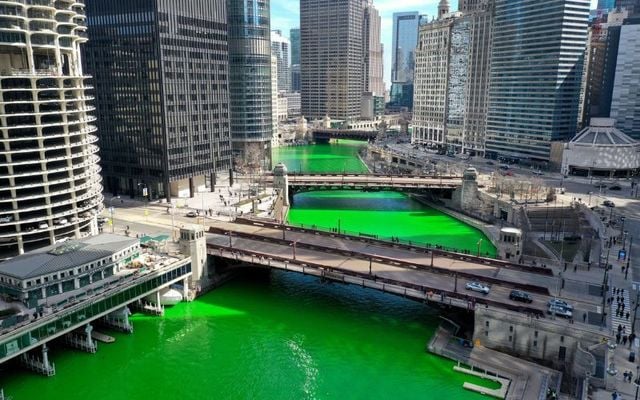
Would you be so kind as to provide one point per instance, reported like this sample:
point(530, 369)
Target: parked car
point(615, 187)
point(4, 220)
point(538, 172)
point(519, 295)
point(560, 311)
point(73, 219)
point(43, 225)
point(608, 203)
point(191, 214)
point(60, 221)
point(504, 167)
point(477, 287)
point(490, 163)
point(560, 303)
point(64, 239)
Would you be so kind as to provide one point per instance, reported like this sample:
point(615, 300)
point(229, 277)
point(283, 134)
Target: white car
point(4, 220)
point(43, 225)
point(560, 311)
point(477, 287)
point(60, 221)
point(560, 303)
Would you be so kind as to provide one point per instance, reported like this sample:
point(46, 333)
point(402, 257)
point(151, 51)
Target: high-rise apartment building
point(50, 186)
point(625, 102)
point(295, 78)
point(274, 100)
point(537, 56)
point(452, 78)
point(331, 58)
point(280, 48)
point(250, 81)
point(161, 94)
point(373, 66)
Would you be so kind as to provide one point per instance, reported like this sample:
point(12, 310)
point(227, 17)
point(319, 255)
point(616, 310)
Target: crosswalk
point(617, 320)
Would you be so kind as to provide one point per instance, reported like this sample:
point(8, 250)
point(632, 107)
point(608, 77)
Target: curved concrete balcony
point(90, 175)
point(19, 199)
point(87, 141)
point(49, 101)
point(87, 130)
point(59, 123)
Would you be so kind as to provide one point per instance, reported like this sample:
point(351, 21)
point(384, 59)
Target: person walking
point(618, 337)
point(627, 315)
point(584, 317)
point(624, 340)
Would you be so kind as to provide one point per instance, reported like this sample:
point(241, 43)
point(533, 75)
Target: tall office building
point(161, 93)
point(625, 102)
point(600, 66)
point(50, 187)
point(294, 39)
point(274, 100)
point(633, 6)
point(536, 69)
point(331, 58)
point(452, 78)
point(280, 48)
point(250, 81)
point(606, 5)
point(405, 40)
point(373, 51)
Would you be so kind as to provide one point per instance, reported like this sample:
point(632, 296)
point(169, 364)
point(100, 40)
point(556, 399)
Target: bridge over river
point(362, 181)
point(423, 274)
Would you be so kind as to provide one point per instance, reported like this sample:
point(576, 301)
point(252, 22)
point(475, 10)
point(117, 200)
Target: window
point(561, 339)
point(486, 323)
point(562, 353)
point(510, 338)
point(535, 334)
point(511, 328)
point(535, 343)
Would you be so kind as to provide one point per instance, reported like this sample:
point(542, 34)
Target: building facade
point(405, 40)
point(625, 101)
point(452, 78)
point(373, 51)
point(280, 48)
point(50, 186)
point(294, 39)
point(162, 94)
point(536, 69)
point(274, 100)
point(633, 6)
point(331, 58)
point(250, 82)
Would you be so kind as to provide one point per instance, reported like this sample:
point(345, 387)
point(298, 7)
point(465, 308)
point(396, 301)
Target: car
point(477, 287)
point(64, 239)
point(538, 172)
point(608, 203)
point(102, 220)
point(560, 311)
point(30, 228)
point(4, 220)
point(519, 295)
point(191, 214)
point(73, 219)
point(43, 225)
point(615, 187)
point(504, 167)
point(560, 303)
point(490, 163)
point(60, 221)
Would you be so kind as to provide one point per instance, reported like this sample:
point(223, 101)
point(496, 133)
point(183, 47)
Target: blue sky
point(285, 15)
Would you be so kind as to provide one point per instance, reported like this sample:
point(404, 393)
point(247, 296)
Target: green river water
point(278, 336)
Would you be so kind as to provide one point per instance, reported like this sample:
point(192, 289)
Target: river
point(277, 336)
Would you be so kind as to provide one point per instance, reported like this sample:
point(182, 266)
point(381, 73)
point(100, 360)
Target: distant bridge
point(353, 181)
point(418, 273)
point(328, 134)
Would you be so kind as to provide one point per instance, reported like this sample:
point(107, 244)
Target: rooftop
point(602, 132)
point(63, 256)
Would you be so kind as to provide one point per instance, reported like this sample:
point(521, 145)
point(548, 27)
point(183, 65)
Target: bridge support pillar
point(281, 182)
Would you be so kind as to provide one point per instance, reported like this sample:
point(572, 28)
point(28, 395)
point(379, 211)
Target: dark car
point(490, 163)
point(608, 203)
point(519, 295)
point(615, 187)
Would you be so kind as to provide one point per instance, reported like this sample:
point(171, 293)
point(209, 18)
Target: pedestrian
point(619, 328)
point(624, 329)
point(622, 307)
point(626, 375)
point(575, 267)
point(618, 337)
point(624, 340)
point(630, 376)
point(584, 317)
point(627, 315)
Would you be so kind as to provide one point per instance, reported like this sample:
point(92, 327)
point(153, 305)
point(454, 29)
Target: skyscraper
point(280, 49)
point(606, 5)
point(373, 67)
point(161, 93)
point(331, 52)
point(250, 81)
point(633, 6)
point(274, 99)
point(405, 40)
point(50, 187)
point(625, 102)
point(294, 38)
point(536, 69)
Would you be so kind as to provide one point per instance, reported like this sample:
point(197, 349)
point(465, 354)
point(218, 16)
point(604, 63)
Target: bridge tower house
point(466, 195)
point(193, 243)
point(281, 182)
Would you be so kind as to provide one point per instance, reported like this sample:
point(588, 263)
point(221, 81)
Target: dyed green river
point(283, 336)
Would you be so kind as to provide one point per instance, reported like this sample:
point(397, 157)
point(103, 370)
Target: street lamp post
point(626, 271)
point(479, 244)
point(111, 212)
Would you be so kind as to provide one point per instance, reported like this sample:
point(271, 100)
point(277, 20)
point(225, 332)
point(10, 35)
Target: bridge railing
point(445, 251)
point(429, 293)
point(391, 261)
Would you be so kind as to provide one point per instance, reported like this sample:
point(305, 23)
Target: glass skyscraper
point(405, 39)
point(250, 81)
point(535, 75)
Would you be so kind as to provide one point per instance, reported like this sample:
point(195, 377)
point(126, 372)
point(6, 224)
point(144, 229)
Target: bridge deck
point(396, 264)
point(372, 181)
